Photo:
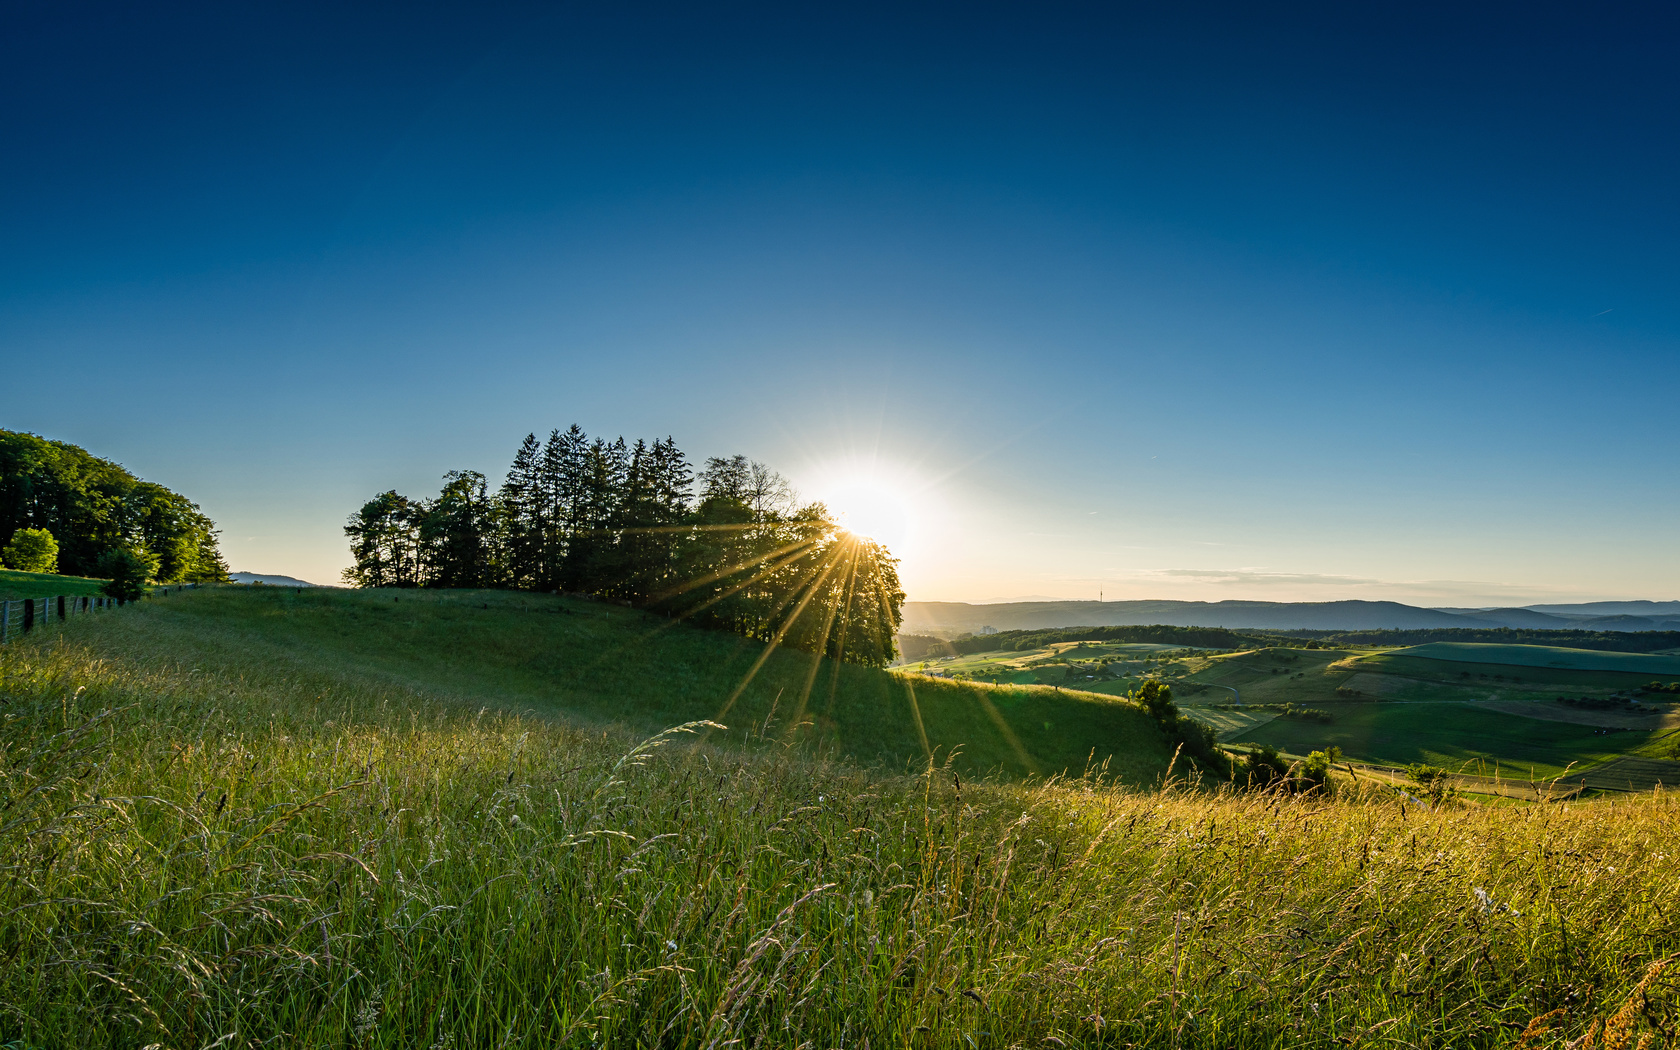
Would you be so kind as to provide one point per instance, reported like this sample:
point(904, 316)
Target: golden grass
point(190, 860)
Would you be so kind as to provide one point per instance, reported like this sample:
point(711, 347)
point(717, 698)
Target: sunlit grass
point(307, 852)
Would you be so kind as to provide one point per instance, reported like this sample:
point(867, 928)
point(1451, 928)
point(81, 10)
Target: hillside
point(14, 584)
point(930, 617)
point(44, 585)
point(254, 818)
point(602, 665)
point(948, 619)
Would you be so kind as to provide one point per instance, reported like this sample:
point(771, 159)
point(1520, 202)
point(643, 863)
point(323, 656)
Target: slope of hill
point(926, 617)
point(602, 665)
point(269, 579)
point(14, 584)
point(1521, 618)
point(257, 818)
point(219, 830)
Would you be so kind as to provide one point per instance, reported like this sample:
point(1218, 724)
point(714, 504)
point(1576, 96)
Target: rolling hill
point(950, 618)
point(927, 617)
point(604, 666)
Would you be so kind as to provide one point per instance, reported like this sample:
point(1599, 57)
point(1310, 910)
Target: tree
point(126, 573)
point(454, 533)
point(385, 543)
point(617, 521)
point(91, 506)
point(32, 550)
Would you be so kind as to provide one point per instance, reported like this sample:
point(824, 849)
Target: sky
point(1148, 301)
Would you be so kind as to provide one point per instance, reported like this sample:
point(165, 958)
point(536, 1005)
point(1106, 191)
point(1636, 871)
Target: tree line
point(917, 647)
point(1605, 641)
point(65, 510)
point(730, 546)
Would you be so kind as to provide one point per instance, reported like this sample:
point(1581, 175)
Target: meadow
point(15, 584)
point(263, 836)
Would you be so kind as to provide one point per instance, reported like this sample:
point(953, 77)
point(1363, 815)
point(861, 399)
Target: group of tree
point(730, 547)
point(65, 510)
point(1162, 634)
point(1605, 641)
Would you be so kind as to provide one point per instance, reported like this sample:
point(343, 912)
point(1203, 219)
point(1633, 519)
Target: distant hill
point(269, 579)
point(1525, 618)
point(950, 618)
point(926, 617)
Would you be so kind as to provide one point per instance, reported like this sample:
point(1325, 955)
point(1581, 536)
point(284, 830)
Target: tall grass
point(191, 860)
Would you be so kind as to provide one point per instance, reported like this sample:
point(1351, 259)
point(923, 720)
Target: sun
point(871, 509)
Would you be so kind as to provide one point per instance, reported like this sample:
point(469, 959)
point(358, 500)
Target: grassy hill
point(1544, 656)
point(14, 584)
point(601, 665)
point(248, 818)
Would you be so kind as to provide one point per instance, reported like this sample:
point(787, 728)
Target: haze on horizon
point(1301, 303)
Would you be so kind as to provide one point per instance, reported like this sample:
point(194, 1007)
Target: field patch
point(1457, 736)
point(1544, 656)
point(1230, 724)
point(1633, 774)
point(1552, 711)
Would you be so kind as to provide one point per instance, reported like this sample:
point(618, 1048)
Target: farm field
point(1452, 735)
point(1543, 656)
point(244, 818)
point(14, 584)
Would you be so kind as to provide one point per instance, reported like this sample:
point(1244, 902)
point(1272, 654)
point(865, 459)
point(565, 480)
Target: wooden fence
point(19, 616)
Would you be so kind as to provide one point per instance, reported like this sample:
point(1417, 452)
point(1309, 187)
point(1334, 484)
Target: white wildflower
point(1487, 905)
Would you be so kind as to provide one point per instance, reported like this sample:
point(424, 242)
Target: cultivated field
point(264, 836)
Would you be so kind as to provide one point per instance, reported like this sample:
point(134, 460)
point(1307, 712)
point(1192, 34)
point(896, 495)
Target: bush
point(1261, 767)
point(1314, 770)
point(32, 550)
point(1433, 782)
point(126, 573)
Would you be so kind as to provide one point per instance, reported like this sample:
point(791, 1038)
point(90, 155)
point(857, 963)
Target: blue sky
point(1162, 301)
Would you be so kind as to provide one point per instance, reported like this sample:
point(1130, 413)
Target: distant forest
point(93, 506)
point(625, 523)
point(1607, 641)
point(921, 647)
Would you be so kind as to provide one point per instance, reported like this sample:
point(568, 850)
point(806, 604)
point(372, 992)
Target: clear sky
point(1168, 300)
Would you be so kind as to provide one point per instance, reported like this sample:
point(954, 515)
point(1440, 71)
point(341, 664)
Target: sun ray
point(1003, 727)
point(916, 713)
point(818, 573)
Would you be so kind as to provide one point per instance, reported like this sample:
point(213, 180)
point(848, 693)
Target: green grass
point(1531, 676)
point(14, 584)
point(1544, 656)
point(240, 821)
point(1450, 735)
point(603, 665)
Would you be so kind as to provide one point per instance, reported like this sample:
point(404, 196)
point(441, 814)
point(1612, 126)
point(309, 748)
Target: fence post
point(5, 622)
point(61, 616)
point(28, 614)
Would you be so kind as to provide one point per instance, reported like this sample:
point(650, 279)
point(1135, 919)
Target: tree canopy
point(93, 506)
point(624, 522)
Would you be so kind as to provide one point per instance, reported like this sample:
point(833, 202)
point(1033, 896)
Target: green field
point(1544, 656)
point(246, 818)
point(1456, 736)
point(599, 664)
point(14, 584)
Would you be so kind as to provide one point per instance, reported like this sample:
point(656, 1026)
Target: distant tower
point(1099, 597)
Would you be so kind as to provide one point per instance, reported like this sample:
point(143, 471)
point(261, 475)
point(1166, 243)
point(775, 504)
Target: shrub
point(32, 550)
point(1261, 767)
point(126, 573)
point(1432, 782)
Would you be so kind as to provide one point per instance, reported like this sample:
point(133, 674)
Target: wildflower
point(1487, 905)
